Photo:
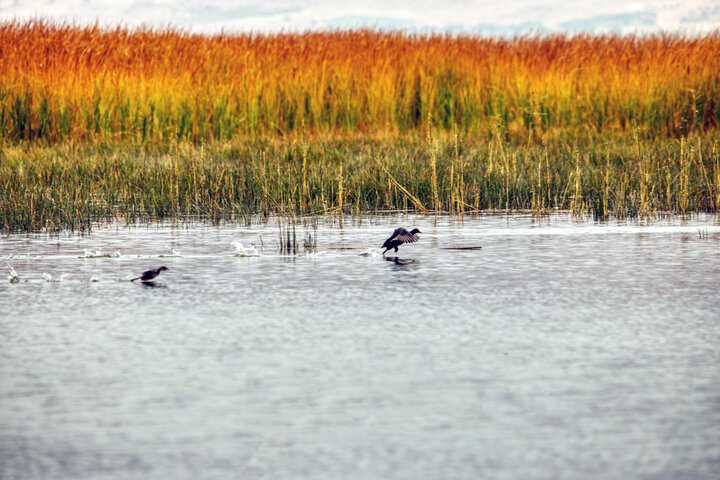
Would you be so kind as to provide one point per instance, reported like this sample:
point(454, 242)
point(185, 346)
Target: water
point(561, 349)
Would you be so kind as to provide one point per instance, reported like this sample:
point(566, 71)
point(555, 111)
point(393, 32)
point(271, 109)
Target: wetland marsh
point(265, 171)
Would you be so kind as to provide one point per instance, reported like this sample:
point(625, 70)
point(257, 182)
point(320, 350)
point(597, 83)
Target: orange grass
point(60, 82)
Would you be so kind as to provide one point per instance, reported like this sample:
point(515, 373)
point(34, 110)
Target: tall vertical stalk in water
point(685, 163)
point(433, 166)
point(576, 203)
point(340, 189)
point(644, 206)
point(716, 175)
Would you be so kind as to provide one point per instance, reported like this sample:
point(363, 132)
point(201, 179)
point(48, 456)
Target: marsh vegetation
point(142, 125)
point(72, 186)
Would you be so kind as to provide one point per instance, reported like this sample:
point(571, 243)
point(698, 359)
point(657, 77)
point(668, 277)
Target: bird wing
point(407, 237)
point(402, 235)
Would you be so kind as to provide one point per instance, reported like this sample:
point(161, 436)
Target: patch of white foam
point(12, 256)
point(12, 274)
point(99, 254)
point(173, 252)
point(51, 279)
point(371, 252)
point(241, 251)
point(316, 254)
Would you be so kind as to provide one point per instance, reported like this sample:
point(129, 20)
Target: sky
point(496, 17)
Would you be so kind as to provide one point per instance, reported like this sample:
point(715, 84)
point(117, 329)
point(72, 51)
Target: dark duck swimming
point(400, 236)
point(150, 274)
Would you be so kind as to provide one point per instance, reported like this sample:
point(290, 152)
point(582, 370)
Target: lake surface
point(560, 350)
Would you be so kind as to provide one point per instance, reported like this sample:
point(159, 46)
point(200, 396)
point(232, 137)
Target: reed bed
point(72, 186)
point(62, 82)
point(144, 124)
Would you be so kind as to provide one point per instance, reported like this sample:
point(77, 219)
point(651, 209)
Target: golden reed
point(65, 82)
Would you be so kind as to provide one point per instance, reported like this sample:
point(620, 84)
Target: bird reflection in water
point(151, 284)
point(402, 262)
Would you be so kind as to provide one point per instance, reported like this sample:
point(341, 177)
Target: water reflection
point(404, 263)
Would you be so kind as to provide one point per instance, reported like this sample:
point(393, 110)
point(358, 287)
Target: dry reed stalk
point(412, 197)
point(433, 165)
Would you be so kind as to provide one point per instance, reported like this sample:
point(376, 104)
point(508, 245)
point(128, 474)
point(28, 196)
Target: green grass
point(74, 186)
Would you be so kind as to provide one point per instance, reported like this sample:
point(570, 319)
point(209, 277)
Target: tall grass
point(64, 82)
point(71, 186)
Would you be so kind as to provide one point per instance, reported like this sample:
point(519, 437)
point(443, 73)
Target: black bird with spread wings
point(150, 274)
point(400, 236)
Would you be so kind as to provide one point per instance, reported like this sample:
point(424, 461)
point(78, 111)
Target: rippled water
point(561, 349)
